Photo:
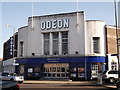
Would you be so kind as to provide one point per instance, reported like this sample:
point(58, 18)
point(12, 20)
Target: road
point(64, 86)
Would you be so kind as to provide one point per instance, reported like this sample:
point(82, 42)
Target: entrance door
point(94, 70)
point(56, 70)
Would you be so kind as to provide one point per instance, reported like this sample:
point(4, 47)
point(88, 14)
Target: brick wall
point(111, 42)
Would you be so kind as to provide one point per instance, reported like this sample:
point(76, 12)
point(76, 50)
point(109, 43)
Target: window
point(73, 69)
point(37, 69)
point(115, 72)
point(110, 72)
point(96, 45)
point(45, 69)
point(5, 74)
point(46, 43)
point(21, 69)
point(21, 48)
point(94, 69)
point(81, 72)
point(113, 66)
point(55, 43)
point(30, 72)
point(56, 70)
point(81, 69)
point(64, 42)
point(63, 69)
point(72, 75)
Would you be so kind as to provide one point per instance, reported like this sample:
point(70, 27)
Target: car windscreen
point(13, 74)
point(5, 74)
point(113, 72)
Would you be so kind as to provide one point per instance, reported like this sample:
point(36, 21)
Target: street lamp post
point(117, 36)
point(13, 46)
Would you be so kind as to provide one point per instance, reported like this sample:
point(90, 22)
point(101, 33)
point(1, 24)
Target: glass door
point(56, 71)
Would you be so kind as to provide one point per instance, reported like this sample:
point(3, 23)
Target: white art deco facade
point(61, 46)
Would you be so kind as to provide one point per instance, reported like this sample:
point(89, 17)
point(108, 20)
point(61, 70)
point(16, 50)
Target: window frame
point(64, 42)
point(55, 43)
point(96, 45)
point(21, 48)
point(46, 40)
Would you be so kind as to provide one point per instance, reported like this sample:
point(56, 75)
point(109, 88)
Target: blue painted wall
point(73, 62)
point(89, 59)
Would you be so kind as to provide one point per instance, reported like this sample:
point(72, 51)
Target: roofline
point(111, 26)
point(56, 14)
point(94, 20)
point(22, 27)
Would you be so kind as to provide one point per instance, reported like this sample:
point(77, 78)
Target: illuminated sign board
point(46, 25)
point(11, 45)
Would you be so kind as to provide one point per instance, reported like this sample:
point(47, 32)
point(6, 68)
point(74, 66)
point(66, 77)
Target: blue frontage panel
point(74, 62)
point(89, 59)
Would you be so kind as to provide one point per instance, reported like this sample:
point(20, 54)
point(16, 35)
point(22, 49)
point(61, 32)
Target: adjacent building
point(63, 46)
point(8, 56)
point(1, 64)
point(111, 47)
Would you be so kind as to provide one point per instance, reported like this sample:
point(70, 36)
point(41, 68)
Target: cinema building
point(62, 46)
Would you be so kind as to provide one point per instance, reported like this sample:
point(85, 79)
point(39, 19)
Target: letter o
point(43, 25)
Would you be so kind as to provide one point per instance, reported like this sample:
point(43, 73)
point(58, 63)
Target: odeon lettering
point(55, 24)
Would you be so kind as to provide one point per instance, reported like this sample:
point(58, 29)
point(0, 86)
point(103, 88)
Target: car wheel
point(20, 82)
point(11, 79)
point(112, 80)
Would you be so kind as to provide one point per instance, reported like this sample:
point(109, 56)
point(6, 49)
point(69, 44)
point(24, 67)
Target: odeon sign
point(55, 24)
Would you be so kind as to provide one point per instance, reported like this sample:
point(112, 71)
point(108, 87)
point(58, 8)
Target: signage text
point(55, 24)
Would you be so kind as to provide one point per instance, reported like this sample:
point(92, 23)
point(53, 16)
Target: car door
point(116, 74)
point(5, 76)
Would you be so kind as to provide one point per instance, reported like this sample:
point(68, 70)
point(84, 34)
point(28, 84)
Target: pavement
point(95, 83)
point(37, 81)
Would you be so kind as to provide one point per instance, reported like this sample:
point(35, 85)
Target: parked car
point(11, 77)
point(9, 85)
point(110, 76)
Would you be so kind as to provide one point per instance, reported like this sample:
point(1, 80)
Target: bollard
point(99, 79)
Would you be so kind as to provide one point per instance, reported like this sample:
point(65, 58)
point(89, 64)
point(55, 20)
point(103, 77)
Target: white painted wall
point(23, 36)
point(112, 59)
point(95, 28)
point(79, 36)
point(33, 38)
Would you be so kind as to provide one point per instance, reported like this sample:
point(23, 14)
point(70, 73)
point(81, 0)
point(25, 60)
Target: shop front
point(74, 68)
point(56, 70)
